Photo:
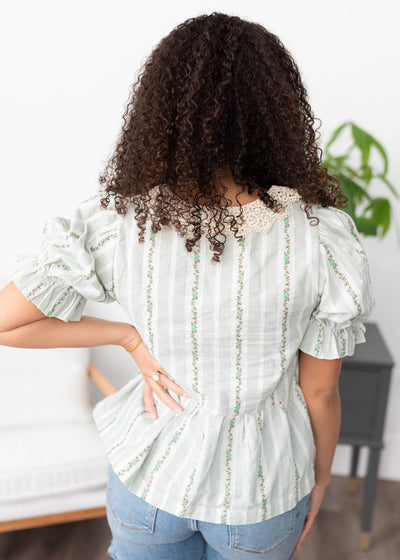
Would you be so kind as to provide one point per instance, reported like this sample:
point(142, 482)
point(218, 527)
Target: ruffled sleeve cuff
point(75, 262)
point(51, 295)
point(328, 340)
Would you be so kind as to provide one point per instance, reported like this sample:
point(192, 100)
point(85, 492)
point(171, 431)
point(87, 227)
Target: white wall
point(66, 75)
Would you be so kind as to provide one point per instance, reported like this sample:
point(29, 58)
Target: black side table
point(364, 387)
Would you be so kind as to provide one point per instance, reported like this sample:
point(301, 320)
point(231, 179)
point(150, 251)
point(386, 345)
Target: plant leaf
point(355, 181)
point(367, 173)
point(366, 225)
point(380, 212)
point(363, 141)
point(335, 134)
point(358, 192)
point(381, 150)
point(389, 184)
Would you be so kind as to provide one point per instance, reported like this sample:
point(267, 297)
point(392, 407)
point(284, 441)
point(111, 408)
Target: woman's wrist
point(131, 340)
point(322, 481)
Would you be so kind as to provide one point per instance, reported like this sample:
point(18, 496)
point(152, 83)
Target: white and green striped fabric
point(242, 451)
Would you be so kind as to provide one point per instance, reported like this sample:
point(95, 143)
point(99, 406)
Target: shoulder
point(342, 250)
point(94, 215)
point(336, 223)
point(93, 204)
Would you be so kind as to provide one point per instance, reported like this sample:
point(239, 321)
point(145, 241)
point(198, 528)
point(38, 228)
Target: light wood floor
point(334, 536)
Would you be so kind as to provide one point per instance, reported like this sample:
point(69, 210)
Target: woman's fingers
point(170, 384)
point(154, 386)
point(304, 534)
point(164, 396)
point(316, 498)
point(149, 400)
point(160, 388)
point(176, 388)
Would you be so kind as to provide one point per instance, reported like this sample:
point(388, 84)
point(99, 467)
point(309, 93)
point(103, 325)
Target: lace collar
point(256, 216)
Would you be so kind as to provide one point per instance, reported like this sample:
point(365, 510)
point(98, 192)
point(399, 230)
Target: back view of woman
point(245, 282)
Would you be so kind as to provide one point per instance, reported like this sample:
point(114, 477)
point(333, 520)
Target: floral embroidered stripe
point(103, 241)
point(353, 231)
point(90, 275)
point(286, 293)
point(195, 289)
point(172, 442)
point(44, 282)
point(239, 317)
point(299, 393)
point(61, 265)
point(111, 291)
point(185, 499)
point(100, 430)
point(261, 475)
point(343, 342)
point(149, 290)
point(62, 298)
point(140, 413)
point(262, 489)
point(137, 459)
point(121, 404)
point(296, 478)
point(317, 348)
point(349, 288)
point(260, 420)
point(98, 196)
point(283, 407)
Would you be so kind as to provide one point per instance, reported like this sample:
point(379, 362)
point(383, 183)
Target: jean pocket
point(130, 511)
point(264, 536)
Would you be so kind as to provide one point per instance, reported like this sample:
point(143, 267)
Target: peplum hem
point(175, 462)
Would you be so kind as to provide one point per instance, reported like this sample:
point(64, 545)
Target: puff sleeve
point(75, 261)
point(345, 293)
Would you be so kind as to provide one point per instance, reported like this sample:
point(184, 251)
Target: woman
point(245, 283)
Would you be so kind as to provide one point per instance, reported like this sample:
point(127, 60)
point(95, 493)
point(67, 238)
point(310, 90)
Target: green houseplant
point(357, 175)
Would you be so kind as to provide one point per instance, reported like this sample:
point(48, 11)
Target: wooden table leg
point(369, 497)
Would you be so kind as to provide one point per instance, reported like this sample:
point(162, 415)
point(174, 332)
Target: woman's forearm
point(51, 332)
point(325, 414)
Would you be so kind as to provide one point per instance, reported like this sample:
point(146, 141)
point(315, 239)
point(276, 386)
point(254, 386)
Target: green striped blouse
point(243, 450)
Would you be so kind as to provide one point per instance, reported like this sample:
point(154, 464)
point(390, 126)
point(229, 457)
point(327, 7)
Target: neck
point(233, 189)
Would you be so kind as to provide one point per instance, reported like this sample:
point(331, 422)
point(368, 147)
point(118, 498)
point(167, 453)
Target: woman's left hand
point(316, 497)
point(148, 365)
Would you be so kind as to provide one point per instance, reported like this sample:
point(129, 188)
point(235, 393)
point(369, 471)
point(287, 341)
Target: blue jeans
point(141, 531)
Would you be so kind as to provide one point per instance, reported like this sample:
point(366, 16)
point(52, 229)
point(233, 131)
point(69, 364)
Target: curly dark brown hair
point(217, 93)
